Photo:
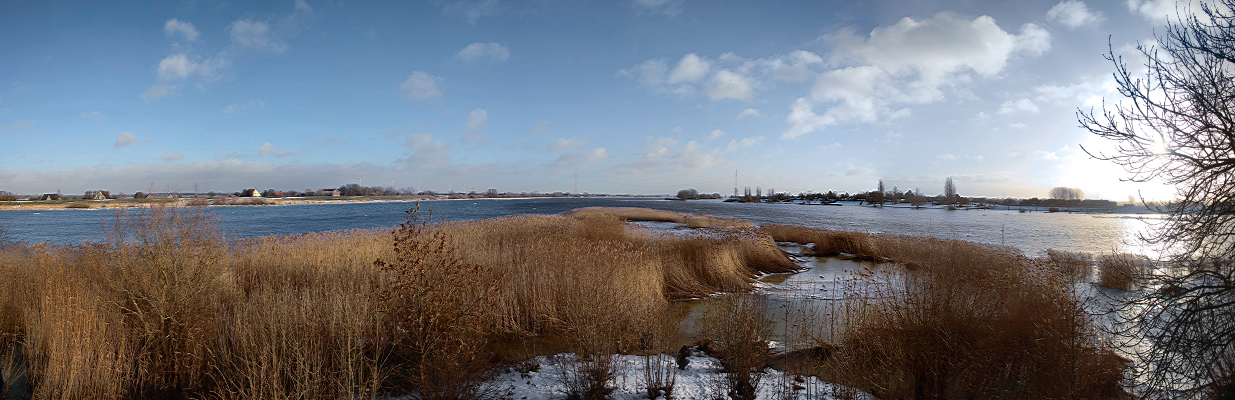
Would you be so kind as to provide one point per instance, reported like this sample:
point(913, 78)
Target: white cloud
point(20, 126)
point(795, 67)
point(892, 137)
point(1015, 106)
point(749, 113)
point(251, 105)
point(179, 66)
point(1088, 93)
point(1045, 155)
point(1073, 14)
point(255, 35)
point(1156, 11)
point(715, 134)
point(727, 84)
point(124, 139)
point(478, 119)
point(418, 140)
point(420, 85)
point(562, 144)
point(650, 73)
point(154, 92)
point(171, 156)
point(741, 144)
point(93, 116)
point(728, 77)
point(910, 62)
point(494, 52)
point(944, 157)
point(667, 7)
point(175, 27)
point(660, 156)
point(303, 6)
point(691, 68)
point(268, 149)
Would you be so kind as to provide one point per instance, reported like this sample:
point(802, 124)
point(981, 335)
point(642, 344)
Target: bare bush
point(1122, 271)
point(1076, 265)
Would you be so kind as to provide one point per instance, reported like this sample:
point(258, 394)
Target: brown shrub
point(1122, 271)
point(972, 321)
point(1076, 265)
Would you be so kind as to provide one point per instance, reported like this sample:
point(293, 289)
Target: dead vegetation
point(167, 308)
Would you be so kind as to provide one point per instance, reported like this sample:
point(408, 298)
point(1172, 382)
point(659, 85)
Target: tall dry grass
point(167, 308)
point(825, 242)
point(1075, 265)
point(956, 319)
point(1123, 271)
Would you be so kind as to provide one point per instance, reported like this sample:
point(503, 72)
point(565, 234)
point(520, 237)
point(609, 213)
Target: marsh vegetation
point(166, 308)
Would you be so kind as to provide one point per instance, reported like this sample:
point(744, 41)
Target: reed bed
point(1123, 271)
point(956, 319)
point(824, 242)
point(166, 308)
point(1076, 265)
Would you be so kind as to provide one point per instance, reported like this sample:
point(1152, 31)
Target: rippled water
point(1031, 232)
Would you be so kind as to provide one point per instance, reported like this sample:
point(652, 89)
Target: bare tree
point(949, 191)
point(1176, 124)
point(1067, 193)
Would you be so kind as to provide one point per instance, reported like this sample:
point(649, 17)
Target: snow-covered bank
point(701, 380)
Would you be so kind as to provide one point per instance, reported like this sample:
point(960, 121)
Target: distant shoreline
point(235, 201)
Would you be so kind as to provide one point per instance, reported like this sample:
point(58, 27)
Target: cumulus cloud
point(729, 76)
point(1156, 11)
point(154, 92)
point(910, 62)
point(1016, 106)
point(1073, 14)
point(250, 105)
point(420, 85)
point(670, 8)
point(180, 66)
point(563, 144)
point(749, 113)
point(691, 68)
point(492, 52)
point(124, 139)
point(478, 119)
point(268, 149)
point(728, 84)
point(169, 156)
point(662, 154)
point(1088, 93)
point(20, 126)
point(715, 134)
point(741, 144)
point(255, 35)
point(175, 27)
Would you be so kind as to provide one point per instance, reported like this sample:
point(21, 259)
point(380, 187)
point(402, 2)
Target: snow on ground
point(701, 380)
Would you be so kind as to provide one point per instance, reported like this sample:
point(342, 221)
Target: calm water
point(1031, 232)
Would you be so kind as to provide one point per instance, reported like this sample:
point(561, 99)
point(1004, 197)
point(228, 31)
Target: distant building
point(50, 196)
point(250, 193)
point(97, 195)
point(329, 192)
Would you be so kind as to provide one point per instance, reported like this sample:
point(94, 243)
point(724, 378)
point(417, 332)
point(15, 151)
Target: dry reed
point(1076, 265)
point(1122, 271)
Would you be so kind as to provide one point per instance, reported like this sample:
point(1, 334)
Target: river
point(1032, 232)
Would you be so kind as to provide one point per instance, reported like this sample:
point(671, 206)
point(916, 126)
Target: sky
point(623, 96)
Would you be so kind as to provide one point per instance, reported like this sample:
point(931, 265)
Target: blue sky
point(643, 96)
